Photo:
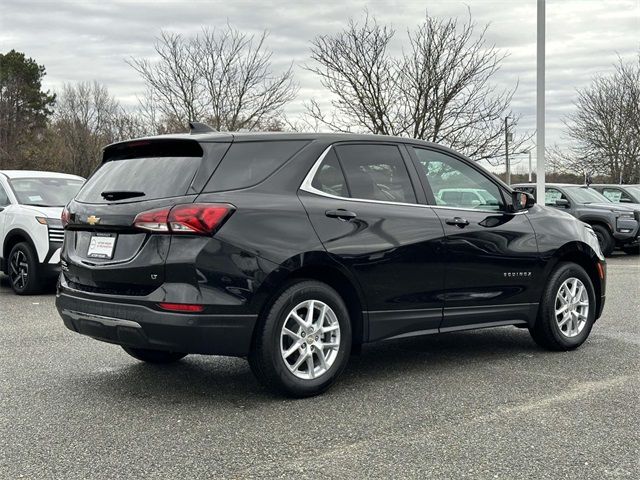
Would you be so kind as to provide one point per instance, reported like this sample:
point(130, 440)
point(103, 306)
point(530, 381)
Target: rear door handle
point(457, 221)
point(342, 214)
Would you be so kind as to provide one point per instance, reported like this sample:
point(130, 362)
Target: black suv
point(615, 224)
point(295, 249)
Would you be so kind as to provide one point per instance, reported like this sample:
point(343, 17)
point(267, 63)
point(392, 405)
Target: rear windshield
point(45, 192)
point(249, 163)
point(145, 178)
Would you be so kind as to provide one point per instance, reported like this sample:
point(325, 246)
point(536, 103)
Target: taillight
point(153, 220)
point(200, 218)
point(64, 218)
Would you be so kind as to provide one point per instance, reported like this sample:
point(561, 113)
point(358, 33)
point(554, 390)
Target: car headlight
point(624, 214)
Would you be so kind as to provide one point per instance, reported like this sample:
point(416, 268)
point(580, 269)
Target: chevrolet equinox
point(295, 249)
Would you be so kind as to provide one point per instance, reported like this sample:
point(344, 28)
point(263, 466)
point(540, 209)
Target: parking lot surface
point(483, 404)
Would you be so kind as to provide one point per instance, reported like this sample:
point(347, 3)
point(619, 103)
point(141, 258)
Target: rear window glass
point(146, 178)
point(249, 163)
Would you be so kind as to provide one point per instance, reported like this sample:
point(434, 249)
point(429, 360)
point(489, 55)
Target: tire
point(312, 377)
point(635, 250)
point(22, 268)
point(547, 331)
point(154, 356)
point(605, 239)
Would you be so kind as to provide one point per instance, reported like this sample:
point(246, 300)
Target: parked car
point(465, 196)
point(616, 225)
point(31, 232)
point(626, 194)
point(295, 249)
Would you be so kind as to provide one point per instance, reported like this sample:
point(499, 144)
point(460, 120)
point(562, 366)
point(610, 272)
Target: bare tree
point(605, 126)
point(438, 89)
point(223, 77)
point(87, 119)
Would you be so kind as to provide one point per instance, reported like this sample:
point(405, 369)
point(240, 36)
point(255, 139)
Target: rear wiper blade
point(121, 194)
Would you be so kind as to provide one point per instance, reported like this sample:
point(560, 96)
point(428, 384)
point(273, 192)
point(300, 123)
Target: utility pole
point(506, 149)
point(540, 60)
point(529, 152)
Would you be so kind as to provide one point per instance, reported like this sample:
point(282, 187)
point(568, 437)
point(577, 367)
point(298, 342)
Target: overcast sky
point(88, 40)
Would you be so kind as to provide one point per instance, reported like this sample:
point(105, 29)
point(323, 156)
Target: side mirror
point(522, 200)
point(562, 202)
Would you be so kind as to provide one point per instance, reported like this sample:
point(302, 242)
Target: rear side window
point(249, 163)
point(376, 172)
point(329, 177)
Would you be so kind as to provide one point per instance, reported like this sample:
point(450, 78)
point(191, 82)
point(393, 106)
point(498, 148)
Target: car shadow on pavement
point(204, 379)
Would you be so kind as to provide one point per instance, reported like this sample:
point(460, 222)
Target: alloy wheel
point(571, 307)
point(310, 339)
point(19, 270)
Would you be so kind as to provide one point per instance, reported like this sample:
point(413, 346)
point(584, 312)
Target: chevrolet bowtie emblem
point(92, 220)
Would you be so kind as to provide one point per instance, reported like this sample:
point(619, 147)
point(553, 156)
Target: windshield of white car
point(586, 195)
point(45, 191)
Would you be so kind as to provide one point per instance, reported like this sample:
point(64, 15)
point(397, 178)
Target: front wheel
point(567, 310)
point(23, 269)
point(154, 356)
point(605, 239)
point(302, 344)
point(633, 250)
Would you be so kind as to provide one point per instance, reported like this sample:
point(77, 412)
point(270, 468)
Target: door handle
point(344, 215)
point(457, 221)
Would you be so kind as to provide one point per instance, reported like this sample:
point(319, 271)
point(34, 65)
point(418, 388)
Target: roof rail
point(197, 127)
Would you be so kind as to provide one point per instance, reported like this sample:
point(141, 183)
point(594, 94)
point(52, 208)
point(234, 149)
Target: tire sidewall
point(275, 321)
point(32, 280)
point(563, 273)
point(605, 239)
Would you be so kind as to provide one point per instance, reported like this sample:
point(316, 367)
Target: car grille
point(56, 234)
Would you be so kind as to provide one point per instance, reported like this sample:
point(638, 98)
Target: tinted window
point(456, 184)
point(155, 177)
point(45, 192)
point(376, 172)
point(249, 163)
point(4, 199)
point(329, 177)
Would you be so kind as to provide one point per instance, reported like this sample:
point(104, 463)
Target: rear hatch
point(103, 251)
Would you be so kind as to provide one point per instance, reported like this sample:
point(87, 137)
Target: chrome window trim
point(309, 188)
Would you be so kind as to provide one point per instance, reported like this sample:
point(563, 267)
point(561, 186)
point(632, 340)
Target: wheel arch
point(326, 270)
point(581, 254)
point(12, 238)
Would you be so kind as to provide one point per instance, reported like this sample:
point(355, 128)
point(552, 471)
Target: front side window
point(616, 195)
point(376, 172)
point(456, 184)
point(551, 195)
point(45, 191)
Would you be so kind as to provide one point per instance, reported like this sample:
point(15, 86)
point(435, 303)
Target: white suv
point(31, 233)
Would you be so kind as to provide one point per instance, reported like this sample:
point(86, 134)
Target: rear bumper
point(139, 326)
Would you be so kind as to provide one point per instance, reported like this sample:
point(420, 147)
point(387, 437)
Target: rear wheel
point(23, 269)
point(154, 356)
point(302, 344)
point(567, 311)
point(605, 239)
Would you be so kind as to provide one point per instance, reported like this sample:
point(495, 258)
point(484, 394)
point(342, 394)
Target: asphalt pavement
point(483, 404)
